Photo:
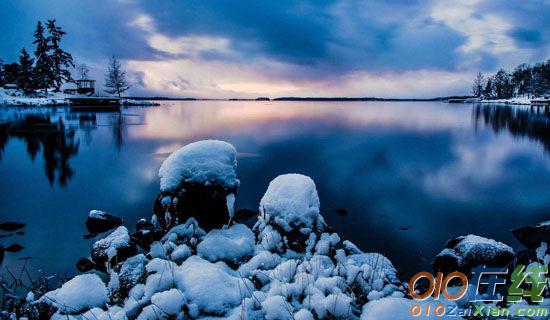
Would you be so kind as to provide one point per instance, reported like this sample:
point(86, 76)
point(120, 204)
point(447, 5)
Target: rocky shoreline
point(196, 258)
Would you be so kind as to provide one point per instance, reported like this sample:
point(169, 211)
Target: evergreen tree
point(521, 78)
point(488, 91)
point(477, 87)
point(115, 79)
point(1, 72)
point(60, 60)
point(42, 70)
point(24, 79)
point(11, 72)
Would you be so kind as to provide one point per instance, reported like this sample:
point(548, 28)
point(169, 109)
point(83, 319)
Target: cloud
point(207, 48)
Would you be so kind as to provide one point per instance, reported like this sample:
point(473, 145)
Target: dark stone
point(99, 221)
point(341, 212)
point(85, 265)
point(14, 248)
point(206, 203)
point(532, 236)
point(144, 224)
point(11, 226)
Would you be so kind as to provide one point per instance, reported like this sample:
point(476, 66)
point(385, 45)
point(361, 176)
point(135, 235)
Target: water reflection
point(533, 123)
point(40, 133)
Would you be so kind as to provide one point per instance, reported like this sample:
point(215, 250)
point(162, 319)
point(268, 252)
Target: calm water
point(410, 175)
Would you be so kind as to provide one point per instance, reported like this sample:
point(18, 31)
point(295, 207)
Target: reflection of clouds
point(480, 165)
point(277, 120)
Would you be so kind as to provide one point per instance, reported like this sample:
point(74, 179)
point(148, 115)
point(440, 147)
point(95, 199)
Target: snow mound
point(210, 286)
point(108, 247)
point(231, 244)
point(392, 308)
point(292, 201)
point(81, 293)
point(203, 162)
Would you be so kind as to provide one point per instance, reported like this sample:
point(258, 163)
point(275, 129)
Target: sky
point(251, 48)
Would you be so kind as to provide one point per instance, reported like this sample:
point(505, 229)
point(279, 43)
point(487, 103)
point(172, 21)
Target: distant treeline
point(47, 69)
point(530, 80)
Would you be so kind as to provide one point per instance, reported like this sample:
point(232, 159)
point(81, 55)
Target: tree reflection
point(533, 123)
point(57, 143)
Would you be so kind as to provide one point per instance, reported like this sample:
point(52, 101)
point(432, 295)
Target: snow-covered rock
point(202, 162)
point(392, 308)
point(464, 252)
point(81, 293)
point(292, 202)
point(199, 180)
point(211, 287)
point(230, 244)
point(99, 221)
point(118, 246)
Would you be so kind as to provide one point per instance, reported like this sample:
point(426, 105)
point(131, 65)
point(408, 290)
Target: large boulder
point(290, 208)
point(200, 181)
point(465, 252)
point(533, 236)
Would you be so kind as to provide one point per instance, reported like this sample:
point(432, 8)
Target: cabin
point(85, 86)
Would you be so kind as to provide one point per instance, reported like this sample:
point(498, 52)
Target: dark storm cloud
point(317, 39)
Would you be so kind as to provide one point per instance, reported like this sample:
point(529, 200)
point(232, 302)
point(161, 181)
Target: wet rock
point(143, 224)
point(465, 252)
point(11, 226)
point(197, 181)
point(99, 221)
point(533, 236)
point(85, 265)
point(341, 212)
point(14, 248)
point(114, 248)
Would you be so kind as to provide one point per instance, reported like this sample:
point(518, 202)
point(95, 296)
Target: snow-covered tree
point(477, 87)
point(60, 60)
point(24, 77)
point(115, 79)
point(42, 69)
point(83, 71)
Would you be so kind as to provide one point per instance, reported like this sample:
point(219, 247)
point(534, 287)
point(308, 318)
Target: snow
point(96, 214)
point(276, 308)
point(203, 162)
point(109, 245)
point(292, 201)
point(522, 100)
point(78, 294)
point(210, 286)
point(475, 246)
point(10, 97)
point(399, 309)
point(231, 244)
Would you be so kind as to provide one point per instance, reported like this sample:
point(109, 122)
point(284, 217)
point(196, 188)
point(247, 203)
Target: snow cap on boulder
point(466, 252)
point(202, 162)
point(291, 200)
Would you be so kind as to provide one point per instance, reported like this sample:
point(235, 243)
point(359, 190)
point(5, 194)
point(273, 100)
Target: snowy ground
point(12, 97)
point(520, 101)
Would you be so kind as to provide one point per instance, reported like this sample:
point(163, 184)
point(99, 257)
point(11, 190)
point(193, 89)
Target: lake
point(398, 178)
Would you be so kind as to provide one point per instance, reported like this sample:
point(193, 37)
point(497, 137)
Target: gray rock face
point(465, 252)
point(533, 236)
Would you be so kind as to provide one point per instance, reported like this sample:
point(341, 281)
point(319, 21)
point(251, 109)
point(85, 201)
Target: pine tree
point(42, 70)
point(60, 60)
point(115, 79)
point(1, 72)
point(488, 91)
point(477, 87)
point(24, 79)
